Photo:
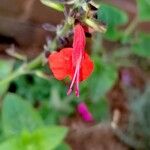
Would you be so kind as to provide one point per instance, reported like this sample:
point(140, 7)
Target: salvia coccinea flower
point(73, 62)
point(84, 112)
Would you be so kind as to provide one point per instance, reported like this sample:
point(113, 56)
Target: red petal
point(87, 67)
point(79, 42)
point(67, 55)
point(61, 63)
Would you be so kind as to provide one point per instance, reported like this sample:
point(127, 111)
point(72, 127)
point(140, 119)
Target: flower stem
point(63, 31)
point(12, 76)
point(131, 26)
point(23, 69)
point(35, 62)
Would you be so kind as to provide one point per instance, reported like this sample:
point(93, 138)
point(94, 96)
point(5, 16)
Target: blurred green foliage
point(143, 10)
point(5, 70)
point(142, 45)
point(112, 17)
point(24, 129)
point(30, 116)
point(103, 78)
point(16, 112)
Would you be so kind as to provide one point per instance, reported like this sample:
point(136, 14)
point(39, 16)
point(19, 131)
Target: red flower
point(73, 62)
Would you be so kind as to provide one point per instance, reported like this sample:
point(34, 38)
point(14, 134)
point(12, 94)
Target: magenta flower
point(84, 112)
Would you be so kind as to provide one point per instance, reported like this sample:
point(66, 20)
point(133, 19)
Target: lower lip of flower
point(62, 66)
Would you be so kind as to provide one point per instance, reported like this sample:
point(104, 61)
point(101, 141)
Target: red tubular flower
point(73, 62)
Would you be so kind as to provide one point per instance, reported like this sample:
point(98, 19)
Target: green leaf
point(47, 138)
point(142, 46)
point(102, 80)
point(100, 109)
point(5, 69)
point(30, 87)
point(57, 103)
point(18, 115)
point(111, 15)
point(52, 4)
point(63, 146)
point(143, 10)
point(112, 34)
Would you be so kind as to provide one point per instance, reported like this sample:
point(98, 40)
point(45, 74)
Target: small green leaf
point(47, 138)
point(5, 69)
point(103, 78)
point(52, 4)
point(142, 46)
point(143, 10)
point(18, 115)
point(111, 15)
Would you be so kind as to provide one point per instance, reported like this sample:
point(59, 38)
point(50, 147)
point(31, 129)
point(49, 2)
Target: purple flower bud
point(84, 112)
